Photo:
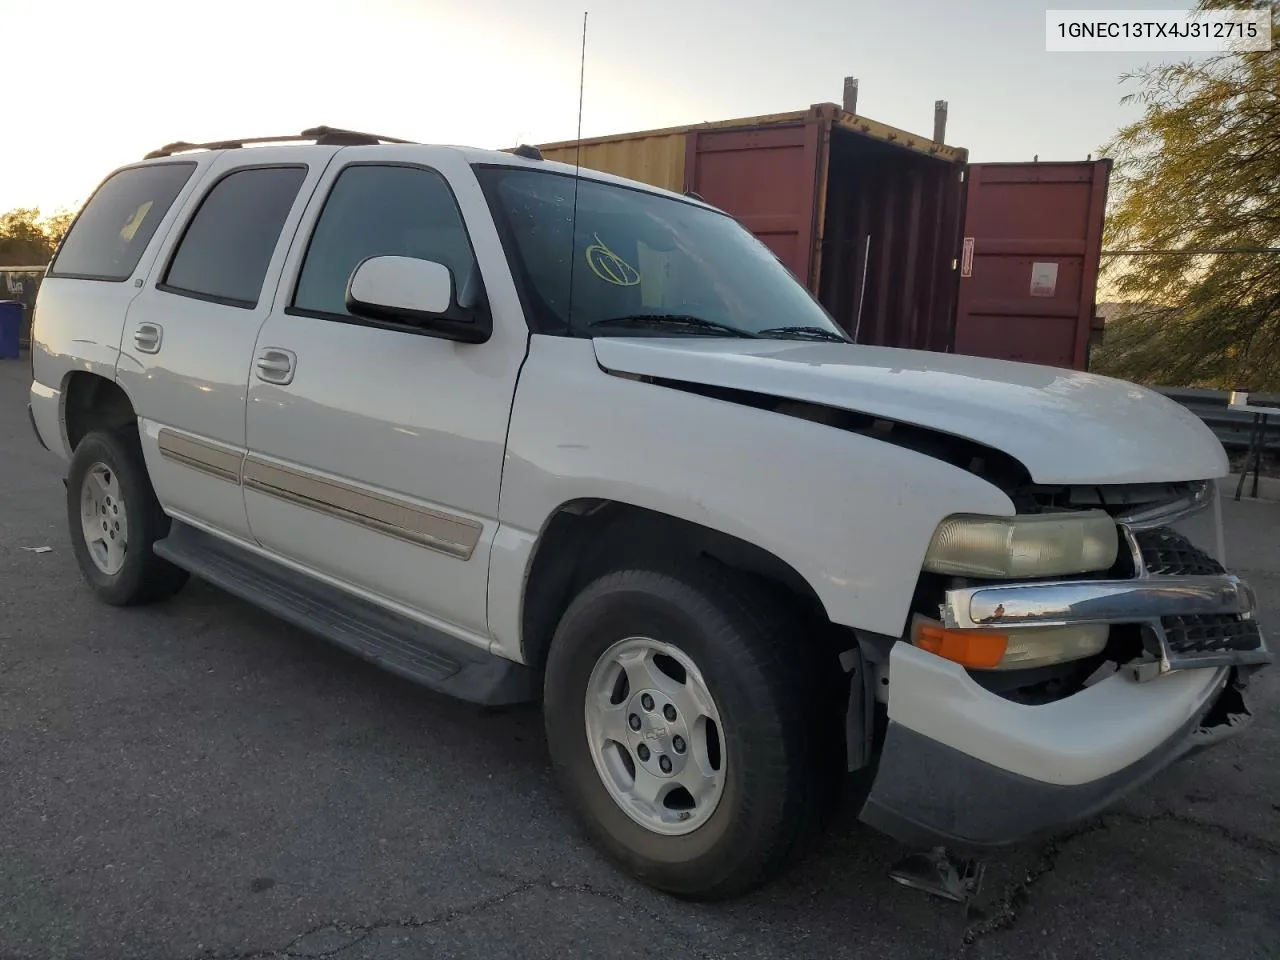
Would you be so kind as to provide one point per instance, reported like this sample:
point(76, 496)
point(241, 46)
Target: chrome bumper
point(1143, 600)
point(1097, 601)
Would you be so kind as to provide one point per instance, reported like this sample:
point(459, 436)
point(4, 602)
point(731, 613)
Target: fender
point(851, 514)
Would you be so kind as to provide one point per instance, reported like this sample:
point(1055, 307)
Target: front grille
point(1169, 554)
point(1210, 633)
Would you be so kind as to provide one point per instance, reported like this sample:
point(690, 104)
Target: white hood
point(1063, 426)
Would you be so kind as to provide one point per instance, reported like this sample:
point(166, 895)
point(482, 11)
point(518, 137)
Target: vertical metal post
point(940, 121)
point(851, 94)
point(1262, 448)
point(1255, 442)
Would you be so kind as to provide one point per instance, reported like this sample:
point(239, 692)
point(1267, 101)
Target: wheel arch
point(91, 401)
point(586, 537)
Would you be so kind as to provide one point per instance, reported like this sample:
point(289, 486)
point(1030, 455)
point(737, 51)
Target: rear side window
point(376, 211)
point(107, 239)
point(225, 251)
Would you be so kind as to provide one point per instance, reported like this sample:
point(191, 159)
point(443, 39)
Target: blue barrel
point(10, 328)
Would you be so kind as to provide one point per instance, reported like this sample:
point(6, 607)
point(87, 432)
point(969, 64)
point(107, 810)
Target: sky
point(99, 84)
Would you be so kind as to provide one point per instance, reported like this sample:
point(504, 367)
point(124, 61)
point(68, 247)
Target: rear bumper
point(927, 794)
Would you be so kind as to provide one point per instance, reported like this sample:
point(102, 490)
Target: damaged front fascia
point(860, 665)
point(1229, 715)
point(992, 465)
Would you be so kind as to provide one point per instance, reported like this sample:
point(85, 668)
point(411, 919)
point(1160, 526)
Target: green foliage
point(1199, 171)
point(27, 239)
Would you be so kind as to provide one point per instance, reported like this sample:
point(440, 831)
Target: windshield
point(642, 263)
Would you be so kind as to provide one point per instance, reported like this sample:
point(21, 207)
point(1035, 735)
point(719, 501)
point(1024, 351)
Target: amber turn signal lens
point(980, 649)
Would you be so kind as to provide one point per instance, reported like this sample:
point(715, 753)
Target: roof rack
point(321, 136)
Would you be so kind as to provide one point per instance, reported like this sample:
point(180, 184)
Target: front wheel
point(114, 518)
point(677, 718)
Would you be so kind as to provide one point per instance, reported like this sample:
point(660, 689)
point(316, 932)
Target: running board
point(406, 647)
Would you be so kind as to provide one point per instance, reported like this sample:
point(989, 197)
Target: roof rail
point(321, 136)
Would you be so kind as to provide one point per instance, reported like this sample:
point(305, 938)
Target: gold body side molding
point(446, 533)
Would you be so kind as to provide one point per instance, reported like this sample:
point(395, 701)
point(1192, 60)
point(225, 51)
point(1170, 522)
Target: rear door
point(1029, 261)
point(188, 340)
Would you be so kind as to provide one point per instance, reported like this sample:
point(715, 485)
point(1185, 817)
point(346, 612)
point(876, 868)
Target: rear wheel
point(677, 720)
point(114, 518)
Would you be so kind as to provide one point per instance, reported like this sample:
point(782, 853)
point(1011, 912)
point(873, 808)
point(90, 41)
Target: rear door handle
point(147, 337)
point(275, 365)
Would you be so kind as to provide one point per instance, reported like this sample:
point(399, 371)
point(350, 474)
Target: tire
point(757, 665)
point(106, 462)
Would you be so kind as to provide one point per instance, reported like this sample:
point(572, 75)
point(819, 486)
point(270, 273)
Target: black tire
point(144, 577)
point(757, 662)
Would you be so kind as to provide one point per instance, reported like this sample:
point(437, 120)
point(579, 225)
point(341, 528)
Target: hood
point(1064, 426)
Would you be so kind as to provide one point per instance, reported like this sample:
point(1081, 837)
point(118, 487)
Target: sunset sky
point(99, 84)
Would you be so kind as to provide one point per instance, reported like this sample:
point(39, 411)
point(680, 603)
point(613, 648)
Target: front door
point(375, 451)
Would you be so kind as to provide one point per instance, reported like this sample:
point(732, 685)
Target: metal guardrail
point(1230, 426)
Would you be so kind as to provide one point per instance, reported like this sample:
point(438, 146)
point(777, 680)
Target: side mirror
point(418, 293)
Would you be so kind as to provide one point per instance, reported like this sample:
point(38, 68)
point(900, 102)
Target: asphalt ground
point(198, 780)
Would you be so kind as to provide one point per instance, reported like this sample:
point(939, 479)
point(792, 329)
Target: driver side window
point(380, 210)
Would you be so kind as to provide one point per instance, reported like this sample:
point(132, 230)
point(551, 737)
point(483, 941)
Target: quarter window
point(227, 247)
point(108, 238)
point(376, 211)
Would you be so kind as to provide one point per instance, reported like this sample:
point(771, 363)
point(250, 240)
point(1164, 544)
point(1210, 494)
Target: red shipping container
point(902, 240)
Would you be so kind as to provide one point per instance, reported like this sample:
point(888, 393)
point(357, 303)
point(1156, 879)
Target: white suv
point(515, 430)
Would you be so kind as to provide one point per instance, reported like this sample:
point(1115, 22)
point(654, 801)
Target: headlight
point(1041, 545)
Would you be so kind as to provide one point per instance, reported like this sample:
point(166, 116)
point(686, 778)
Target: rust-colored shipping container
point(1029, 271)
point(903, 241)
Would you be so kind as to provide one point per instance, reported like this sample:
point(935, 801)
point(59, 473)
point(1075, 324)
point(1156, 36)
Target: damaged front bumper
point(961, 767)
point(928, 794)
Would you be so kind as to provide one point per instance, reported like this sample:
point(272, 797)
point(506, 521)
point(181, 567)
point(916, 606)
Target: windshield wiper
point(674, 320)
point(811, 333)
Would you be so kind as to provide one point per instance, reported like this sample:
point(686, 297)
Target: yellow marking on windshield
point(610, 267)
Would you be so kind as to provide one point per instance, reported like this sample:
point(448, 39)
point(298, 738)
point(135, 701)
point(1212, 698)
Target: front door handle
point(275, 365)
point(147, 337)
